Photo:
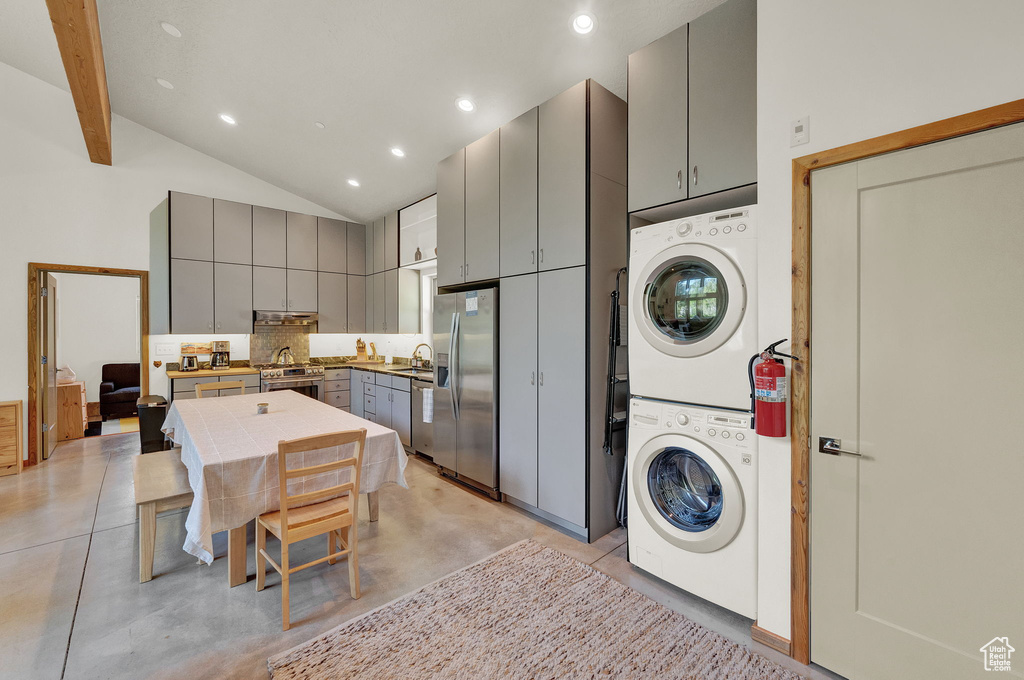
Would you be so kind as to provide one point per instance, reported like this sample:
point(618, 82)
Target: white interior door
point(917, 322)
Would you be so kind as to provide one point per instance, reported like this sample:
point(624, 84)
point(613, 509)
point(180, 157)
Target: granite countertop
point(426, 374)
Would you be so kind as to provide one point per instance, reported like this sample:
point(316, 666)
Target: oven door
point(314, 389)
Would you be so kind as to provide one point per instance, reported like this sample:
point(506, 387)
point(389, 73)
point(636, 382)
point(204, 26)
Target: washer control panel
point(730, 429)
point(735, 223)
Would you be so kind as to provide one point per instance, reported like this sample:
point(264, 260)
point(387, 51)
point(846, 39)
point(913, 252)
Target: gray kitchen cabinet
point(517, 397)
point(301, 241)
point(562, 179)
point(451, 219)
point(562, 394)
point(383, 406)
point(401, 415)
point(482, 186)
point(408, 302)
point(517, 211)
point(269, 289)
point(357, 304)
point(332, 245)
point(368, 304)
point(391, 301)
point(379, 303)
point(232, 298)
point(379, 245)
point(191, 296)
point(391, 240)
point(191, 225)
point(723, 102)
point(356, 248)
point(658, 113)
point(368, 245)
point(232, 232)
point(332, 303)
point(301, 290)
point(269, 237)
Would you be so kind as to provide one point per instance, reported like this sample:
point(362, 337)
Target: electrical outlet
point(800, 131)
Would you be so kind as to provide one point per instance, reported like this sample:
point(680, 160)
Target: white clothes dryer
point(692, 499)
point(693, 308)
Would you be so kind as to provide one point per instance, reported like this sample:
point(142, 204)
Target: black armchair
point(119, 390)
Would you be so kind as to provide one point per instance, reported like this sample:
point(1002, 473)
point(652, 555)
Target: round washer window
point(687, 300)
point(685, 490)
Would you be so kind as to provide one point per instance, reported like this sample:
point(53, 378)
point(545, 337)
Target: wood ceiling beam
point(76, 24)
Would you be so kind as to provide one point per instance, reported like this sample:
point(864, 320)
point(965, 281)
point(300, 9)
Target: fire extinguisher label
point(769, 389)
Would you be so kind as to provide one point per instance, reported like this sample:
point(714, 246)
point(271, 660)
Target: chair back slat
point(316, 443)
point(218, 386)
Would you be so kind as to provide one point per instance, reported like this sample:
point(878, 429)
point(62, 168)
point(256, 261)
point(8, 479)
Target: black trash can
point(152, 412)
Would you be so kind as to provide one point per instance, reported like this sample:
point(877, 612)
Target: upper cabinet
point(391, 240)
point(481, 240)
point(562, 179)
point(417, 225)
point(191, 227)
point(302, 249)
point(269, 237)
point(332, 245)
point(356, 248)
point(232, 232)
point(451, 219)
point(378, 246)
point(517, 195)
point(693, 109)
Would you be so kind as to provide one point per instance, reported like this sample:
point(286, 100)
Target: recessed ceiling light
point(353, 182)
point(228, 119)
point(165, 83)
point(398, 152)
point(583, 23)
point(319, 125)
point(171, 29)
point(465, 104)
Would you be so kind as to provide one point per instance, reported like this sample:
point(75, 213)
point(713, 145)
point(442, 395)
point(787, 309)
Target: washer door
point(687, 493)
point(690, 300)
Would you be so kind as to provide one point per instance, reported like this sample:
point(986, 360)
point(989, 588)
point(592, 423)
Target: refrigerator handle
point(453, 365)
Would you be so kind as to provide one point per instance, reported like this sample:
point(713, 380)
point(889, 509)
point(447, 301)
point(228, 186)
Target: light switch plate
point(166, 349)
point(800, 131)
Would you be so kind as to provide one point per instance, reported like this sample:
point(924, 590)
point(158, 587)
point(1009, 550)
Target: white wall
point(57, 207)
point(97, 323)
point(859, 69)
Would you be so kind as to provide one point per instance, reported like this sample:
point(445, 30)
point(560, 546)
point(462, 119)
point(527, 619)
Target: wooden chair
point(295, 521)
point(218, 386)
point(161, 484)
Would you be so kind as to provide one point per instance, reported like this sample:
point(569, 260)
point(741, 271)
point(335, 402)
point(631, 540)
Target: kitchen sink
point(414, 371)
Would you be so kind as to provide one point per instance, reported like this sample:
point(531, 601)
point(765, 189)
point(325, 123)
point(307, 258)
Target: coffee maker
point(220, 355)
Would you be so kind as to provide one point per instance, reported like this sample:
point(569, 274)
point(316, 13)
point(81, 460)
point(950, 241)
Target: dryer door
point(689, 300)
point(687, 493)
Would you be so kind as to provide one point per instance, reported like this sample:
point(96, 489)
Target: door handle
point(461, 275)
point(467, 269)
point(541, 254)
point(679, 180)
point(533, 377)
point(695, 175)
point(831, 446)
point(533, 256)
point(542, 378)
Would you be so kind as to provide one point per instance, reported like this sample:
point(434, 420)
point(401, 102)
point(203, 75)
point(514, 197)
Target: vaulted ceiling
point(376, 73)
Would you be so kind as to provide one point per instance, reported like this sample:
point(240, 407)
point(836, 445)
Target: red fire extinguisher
point(769, 391)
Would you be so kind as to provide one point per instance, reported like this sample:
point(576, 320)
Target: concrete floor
point(73, 606)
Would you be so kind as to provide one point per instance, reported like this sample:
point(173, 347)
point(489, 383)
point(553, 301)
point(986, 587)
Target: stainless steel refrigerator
point(466, 387)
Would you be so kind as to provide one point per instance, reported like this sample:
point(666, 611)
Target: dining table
point(230, 451)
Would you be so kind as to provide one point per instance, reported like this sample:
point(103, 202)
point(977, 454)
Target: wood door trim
point(976, 121)
point(35, 269)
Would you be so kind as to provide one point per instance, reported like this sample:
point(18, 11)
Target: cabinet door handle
point(533, 377)
point(695, 175)
point(541, 254)
point(283, 303)
point(219, 325)
point(533, 256)
point(542, 378)
point(679, 180)
point(460, 271)
point(210, 326)
point(467, 269)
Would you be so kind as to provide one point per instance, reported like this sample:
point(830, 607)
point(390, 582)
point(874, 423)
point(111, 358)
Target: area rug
point(525, 612)
point(129, 424)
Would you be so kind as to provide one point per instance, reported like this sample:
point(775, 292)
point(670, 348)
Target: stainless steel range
point(304, 379)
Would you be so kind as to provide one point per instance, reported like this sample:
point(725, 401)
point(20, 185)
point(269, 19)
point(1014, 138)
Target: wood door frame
point(35, 269)
point(977, 121)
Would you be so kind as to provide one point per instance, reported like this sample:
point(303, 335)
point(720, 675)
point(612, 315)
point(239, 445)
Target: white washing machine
point(692, 494)
point(693, 308)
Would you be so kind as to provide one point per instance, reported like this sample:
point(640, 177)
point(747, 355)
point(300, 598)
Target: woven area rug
point(525, 612)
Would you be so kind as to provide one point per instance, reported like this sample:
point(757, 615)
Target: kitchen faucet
point(416, 353)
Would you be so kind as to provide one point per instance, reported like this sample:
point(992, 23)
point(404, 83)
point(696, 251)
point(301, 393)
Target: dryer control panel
point(729, 429)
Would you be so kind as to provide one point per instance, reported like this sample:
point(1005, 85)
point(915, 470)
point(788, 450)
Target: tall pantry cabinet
point(560, 202)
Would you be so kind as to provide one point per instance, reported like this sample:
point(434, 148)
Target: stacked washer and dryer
point(692, 457)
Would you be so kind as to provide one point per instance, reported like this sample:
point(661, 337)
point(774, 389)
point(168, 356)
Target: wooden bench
point(161, 484)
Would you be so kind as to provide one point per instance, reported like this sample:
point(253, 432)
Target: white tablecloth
point(231, 456)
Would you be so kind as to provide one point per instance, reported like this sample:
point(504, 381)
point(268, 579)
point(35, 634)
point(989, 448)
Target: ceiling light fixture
point(465, 104)
point(583, 23)
point(353, 182)
point(228, 119)
point(171, 29)
point(398, 152)
point(319, 125)
point(165, 83)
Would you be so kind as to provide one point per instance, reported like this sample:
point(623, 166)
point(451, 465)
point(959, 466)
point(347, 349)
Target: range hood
point(285, 318)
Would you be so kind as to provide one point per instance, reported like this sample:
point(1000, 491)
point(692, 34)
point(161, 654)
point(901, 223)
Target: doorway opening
point(100, 328)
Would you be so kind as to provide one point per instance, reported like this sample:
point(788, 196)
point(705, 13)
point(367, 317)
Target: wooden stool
point(161, 484)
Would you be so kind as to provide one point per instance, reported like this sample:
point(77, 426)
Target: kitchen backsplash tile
point(268, 339)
